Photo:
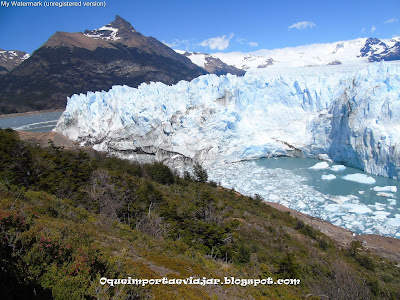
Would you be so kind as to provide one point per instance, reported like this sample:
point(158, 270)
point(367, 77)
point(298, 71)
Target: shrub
point(160, 173)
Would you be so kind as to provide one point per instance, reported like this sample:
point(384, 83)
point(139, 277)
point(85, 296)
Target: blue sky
point(211, 26)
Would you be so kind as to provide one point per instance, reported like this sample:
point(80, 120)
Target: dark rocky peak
point(121, 23)
point(114, 31)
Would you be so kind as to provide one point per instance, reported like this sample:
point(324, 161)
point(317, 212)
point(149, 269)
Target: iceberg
point(320, 166)
point(337, 168)
point(328, 177)
point(390, 189)
point(351, 116)
point(360, 178)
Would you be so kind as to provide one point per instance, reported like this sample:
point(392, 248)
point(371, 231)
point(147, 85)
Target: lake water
point(368, 206)
point(40, 122)
point(358, 206)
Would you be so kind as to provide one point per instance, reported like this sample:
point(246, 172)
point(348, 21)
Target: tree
point(200, 173)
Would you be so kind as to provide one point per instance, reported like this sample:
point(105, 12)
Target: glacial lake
point(359, 207)
point(369, 206)
point(35, 122)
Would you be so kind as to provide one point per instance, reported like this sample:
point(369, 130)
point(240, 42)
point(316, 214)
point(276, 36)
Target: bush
point(160, 173)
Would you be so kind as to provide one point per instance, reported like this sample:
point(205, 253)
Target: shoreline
point(29, 113)
point(383, 246)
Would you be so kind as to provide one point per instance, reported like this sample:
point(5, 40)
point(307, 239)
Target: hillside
point(70, 217)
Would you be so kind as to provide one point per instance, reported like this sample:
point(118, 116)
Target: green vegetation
point(68, 218)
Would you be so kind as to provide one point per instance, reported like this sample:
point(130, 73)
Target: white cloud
point(171, 45)
point(219, 42)
point(302, 25)
point(179, 44)
point(392, 20)
point(253, 44)
point(373, 28)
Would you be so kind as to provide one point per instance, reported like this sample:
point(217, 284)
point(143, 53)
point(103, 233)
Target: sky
point(209, 26)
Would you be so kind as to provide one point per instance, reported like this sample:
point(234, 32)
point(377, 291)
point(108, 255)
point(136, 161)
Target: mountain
point(9, 60)
point(211, 63)
point(359, 51)
point(68, 63)
point(378, 50)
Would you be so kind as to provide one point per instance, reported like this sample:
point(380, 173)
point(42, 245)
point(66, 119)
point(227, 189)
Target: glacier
point(351, 115)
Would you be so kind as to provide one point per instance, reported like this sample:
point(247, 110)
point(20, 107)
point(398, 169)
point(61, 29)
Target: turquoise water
point(359, 207)
point(337, 186)
point(41, 122)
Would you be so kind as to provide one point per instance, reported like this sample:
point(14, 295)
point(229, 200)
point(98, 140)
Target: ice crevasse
point(353, 117)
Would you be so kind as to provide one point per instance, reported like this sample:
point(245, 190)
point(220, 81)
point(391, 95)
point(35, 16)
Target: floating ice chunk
point(273, 197)
point(341, 199)
point(357, 208)
point(387, 195)
point(361, 192)
point(337, 168)
point(332, 207)
point(378, 206)
point(380, 215)
point(320, 166)
point(389, 188)
point(394, 221)
point(318, 199)
point(328, 177)
point(360, 178)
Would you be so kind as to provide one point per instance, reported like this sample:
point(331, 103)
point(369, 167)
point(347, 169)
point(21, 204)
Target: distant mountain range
point(69, 63)
point(357, 51)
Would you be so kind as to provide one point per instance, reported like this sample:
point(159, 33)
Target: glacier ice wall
point(351, 116)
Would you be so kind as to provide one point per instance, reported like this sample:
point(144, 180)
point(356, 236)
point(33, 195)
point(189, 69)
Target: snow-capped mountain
point(378, 50)
point(78, 62)
point(211, 64)
point(350, 114)
point(357, 51)
point(11, 59)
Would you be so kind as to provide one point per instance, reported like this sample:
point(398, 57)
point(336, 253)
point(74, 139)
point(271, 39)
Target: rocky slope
point(115, 54)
